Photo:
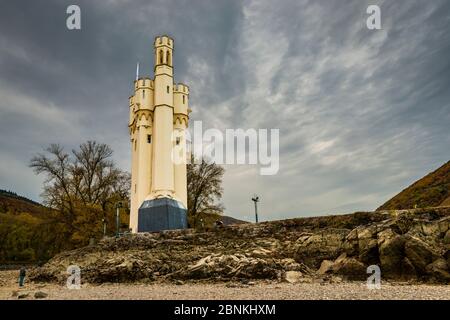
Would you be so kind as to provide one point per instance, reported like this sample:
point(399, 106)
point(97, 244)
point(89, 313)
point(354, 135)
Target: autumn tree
point(204, 191)
point(82, 187)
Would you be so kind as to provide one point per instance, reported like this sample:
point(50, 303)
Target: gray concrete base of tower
point(161, 214)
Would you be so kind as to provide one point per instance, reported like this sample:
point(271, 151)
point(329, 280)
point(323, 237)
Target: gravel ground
point(223, 291)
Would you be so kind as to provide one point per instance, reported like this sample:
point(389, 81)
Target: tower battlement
point(181, 88)
point(163, 41)
point(143, 82)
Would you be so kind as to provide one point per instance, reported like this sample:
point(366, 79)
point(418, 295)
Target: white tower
point(159, 115)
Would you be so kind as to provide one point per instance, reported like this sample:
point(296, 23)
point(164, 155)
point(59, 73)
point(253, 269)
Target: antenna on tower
point(137, 71)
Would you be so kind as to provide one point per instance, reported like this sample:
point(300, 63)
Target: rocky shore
point(408, 245)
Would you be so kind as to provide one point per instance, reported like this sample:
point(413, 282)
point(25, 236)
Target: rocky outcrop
point(406, 245)
point(221, 267)
point(348, 267)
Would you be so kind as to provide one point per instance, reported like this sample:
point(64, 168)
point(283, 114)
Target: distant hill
point(433, 190)
point(230, 220)
point(13, 203)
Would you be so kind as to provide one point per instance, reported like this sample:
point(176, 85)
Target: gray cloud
point(361, 113)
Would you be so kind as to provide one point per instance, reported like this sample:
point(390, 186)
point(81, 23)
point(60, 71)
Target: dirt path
point(258, 290)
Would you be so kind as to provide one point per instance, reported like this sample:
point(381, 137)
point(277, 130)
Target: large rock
point(349, 267)
point(439, 270)
point(326, 267)
point(408, 271)
point(368, 245)
point(419, 253)
point(312, 249)
point(345, 266)
point(391, 248)
point(447, 237)
point(40, 295)
point(292, 276)
point(447, 257)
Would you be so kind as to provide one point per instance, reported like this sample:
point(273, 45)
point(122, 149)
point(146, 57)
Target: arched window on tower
point(168, 58)
point(161, 57)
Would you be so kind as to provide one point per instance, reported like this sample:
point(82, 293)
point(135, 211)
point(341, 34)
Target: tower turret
point(144, 93)
point(163, 169)
point(180, 124)
point(163, 55)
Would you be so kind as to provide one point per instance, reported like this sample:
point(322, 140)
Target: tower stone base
point(161, 214)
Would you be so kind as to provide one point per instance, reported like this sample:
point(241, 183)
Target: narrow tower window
point(168, 58)
point(178, 141)
point(168, 89)
point(135, 145)
point(161, 57)
point(183, 99)
point(149, 138)
point(143, 93)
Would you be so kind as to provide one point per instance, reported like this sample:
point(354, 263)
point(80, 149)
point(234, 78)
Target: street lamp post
point(104, 227)
point(255, 199)
point(118, 206)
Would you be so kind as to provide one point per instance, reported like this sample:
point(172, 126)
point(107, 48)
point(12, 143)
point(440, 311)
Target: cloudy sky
point(362, 113)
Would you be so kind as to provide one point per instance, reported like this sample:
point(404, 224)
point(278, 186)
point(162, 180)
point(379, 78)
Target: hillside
point(13, 203)
point(28, 232)
point(433, 190)
point(407, 245)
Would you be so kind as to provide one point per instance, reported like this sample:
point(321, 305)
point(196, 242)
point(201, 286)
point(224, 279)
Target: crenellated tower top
point(163, 41)
point(163, 55)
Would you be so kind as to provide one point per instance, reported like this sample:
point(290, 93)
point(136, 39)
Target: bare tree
point(204, 184)
point(82, 188)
